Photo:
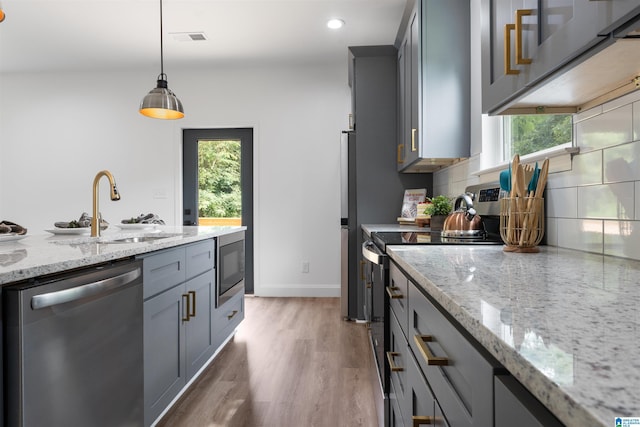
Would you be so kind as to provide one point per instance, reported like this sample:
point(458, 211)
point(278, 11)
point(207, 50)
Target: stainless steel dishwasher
point(73, 348)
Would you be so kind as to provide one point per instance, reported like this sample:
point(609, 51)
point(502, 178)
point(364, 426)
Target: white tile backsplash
point(562, 202)
point(595, 206)
point(609, 201)
point(605, 130)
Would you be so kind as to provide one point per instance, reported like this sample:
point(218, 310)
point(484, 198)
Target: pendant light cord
point(161, 45)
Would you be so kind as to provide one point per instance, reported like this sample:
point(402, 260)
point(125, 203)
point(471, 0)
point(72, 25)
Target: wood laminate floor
point(293, 362)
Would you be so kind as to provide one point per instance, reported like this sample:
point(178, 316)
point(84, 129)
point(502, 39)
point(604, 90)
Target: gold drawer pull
point(413, 139)
point(391, 292)
point(193, 304)
point(507, 49)
point(519, 14)
point(432, 360)
point(186, 307)
point(400, 154)
point(422, 420)
point(392, 364)
point(232, 315)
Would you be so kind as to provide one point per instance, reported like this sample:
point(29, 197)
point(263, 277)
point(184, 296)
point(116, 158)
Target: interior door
point(194, 165)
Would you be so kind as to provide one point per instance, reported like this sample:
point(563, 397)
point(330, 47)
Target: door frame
point(190, 138)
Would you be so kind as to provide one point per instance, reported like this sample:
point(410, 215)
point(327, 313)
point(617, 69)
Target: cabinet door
point(460, 376)
point(226, 319)
point(552, 35)
point(397, 358)
point(398, 292)
point(413, 65)
point(164, 351)
point(420, 400)
point(395, 416)
point(162, 270)
point(198, 334)
point(514, 405)
point(403, 118)
point(200, 257)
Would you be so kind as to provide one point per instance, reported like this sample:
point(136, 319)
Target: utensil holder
point(521, 223)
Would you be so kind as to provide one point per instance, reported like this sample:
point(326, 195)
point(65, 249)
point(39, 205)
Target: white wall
point(57, 130)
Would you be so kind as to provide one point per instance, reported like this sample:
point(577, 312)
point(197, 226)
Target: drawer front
point(226, 318)
point(397, 358)
point(201, 257)
point(514, 405)
point(163, 270)
point(459, 375)
point(397, 290)
point(420, 400)
point(395, 416)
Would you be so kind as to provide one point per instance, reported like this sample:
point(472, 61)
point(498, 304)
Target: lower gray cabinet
point(420, 403)
point(178, 337)
point(226, 319)
point(514, 405)
point(164, 351)
point(395, 415)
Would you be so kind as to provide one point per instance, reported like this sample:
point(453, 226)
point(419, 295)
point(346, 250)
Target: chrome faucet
point(115, 195)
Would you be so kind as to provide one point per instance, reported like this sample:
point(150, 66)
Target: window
point(528, 134)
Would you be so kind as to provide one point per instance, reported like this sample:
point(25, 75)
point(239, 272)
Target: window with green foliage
point(527, 134)
point(219, 186)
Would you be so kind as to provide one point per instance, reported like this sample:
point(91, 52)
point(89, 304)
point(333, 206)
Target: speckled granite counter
point(36, 255)
point(565, 323)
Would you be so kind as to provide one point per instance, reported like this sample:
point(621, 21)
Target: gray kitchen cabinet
point(397, 358)
point(514, 405)
point(395, 415)
point(420, 403)
point(178, 338)
point(434, 86)
point(525, 41)
point(460, 375)
point(398, 293)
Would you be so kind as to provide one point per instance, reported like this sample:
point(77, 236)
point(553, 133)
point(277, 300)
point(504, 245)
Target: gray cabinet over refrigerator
point(372, 189)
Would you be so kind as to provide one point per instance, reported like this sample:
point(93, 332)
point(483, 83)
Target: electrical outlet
point(305, 266)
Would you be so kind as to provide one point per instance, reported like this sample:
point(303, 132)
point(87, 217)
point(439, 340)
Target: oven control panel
point(489, 195)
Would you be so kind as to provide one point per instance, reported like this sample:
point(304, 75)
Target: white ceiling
point(45, 35)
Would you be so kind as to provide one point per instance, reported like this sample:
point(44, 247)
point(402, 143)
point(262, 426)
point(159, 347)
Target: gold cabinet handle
point(419, 420)
point(519, 14)
point(232, 315)
point(192, 313)
point(392, 363)
point(362, 263)
point(186, 307)
point(432, 360)
point(391, 291)
point(413, 139)
point(400, 154)
point(507, 49)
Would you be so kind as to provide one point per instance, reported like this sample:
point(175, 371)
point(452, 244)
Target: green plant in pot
point(438, 209)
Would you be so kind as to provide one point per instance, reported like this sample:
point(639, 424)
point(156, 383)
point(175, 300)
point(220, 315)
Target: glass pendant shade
point(161, 102)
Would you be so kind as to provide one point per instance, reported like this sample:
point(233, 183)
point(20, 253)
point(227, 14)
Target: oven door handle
point(371, 253)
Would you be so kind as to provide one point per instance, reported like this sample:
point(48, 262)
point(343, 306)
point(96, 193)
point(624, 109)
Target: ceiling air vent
point(189, 36)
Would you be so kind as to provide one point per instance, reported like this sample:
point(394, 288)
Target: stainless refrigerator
point(371, 193)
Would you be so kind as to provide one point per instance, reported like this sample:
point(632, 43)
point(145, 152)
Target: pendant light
point(161, 102)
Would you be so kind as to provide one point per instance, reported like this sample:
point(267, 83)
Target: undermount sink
point(138, 239)
point(142, 238)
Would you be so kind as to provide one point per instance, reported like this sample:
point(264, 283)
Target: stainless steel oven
point(230, 266)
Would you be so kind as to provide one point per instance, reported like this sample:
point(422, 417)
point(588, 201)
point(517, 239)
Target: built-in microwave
point(230, 263)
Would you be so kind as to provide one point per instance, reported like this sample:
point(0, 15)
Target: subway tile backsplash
point(594, 207)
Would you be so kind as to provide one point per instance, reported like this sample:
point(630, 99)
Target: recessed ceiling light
point(335, 23)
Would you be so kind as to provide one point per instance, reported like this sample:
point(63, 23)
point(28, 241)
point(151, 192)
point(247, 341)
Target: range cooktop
point(382, 239)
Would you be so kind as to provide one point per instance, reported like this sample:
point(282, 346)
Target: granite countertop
point(41, 254)
point(565, 323)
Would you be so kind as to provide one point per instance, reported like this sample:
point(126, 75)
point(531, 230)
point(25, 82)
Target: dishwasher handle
point(84, 291)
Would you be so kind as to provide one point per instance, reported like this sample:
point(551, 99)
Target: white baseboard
point(323, 291)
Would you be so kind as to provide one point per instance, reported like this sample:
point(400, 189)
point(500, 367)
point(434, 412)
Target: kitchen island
point(41, 254)
point(564, 323)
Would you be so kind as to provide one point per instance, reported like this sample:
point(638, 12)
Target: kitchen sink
point(121, 239)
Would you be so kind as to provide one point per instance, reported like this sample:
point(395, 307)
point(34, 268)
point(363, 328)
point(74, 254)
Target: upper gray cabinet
point(525, 42)
point(434, 86)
